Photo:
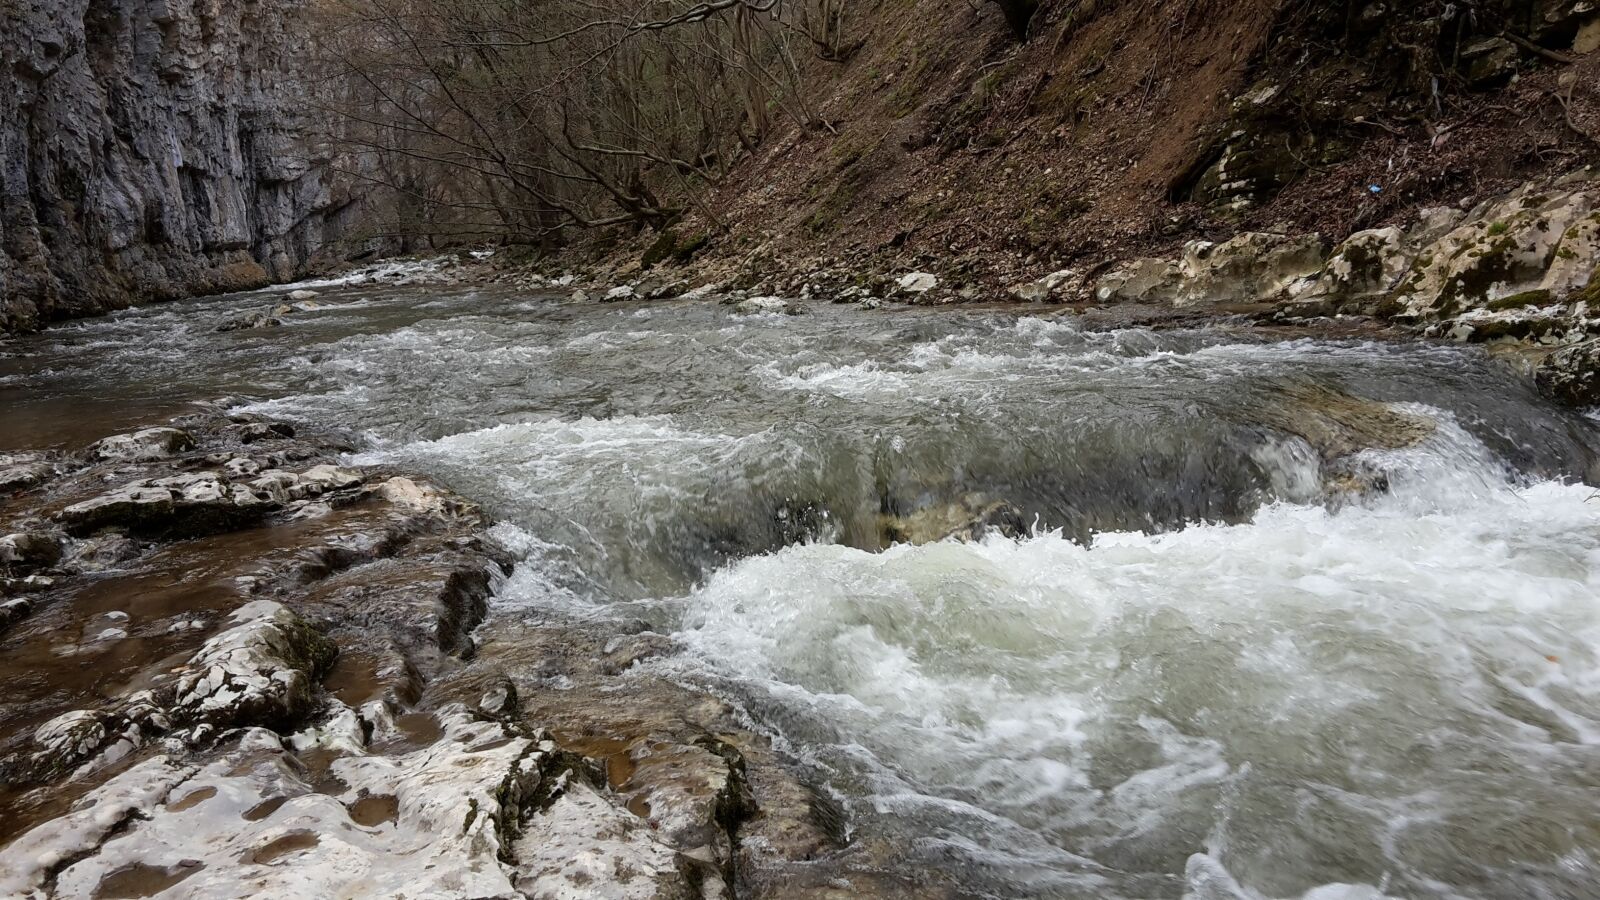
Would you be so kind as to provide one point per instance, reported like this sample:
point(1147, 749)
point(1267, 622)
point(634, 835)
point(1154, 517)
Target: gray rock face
point(1572, 375)
point(1252, 267)
point(151, 149)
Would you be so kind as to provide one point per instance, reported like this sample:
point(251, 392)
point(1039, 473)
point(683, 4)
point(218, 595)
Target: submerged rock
point(973, 518)
point(1336, 424)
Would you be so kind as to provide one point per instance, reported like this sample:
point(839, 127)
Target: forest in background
point(1067, 129)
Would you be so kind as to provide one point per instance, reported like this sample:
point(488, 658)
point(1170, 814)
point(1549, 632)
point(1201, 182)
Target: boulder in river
point(1337, 424)
point(251, 321)
point(29, 551)
point(1572, 375)
point(142, 446)
point(759, 305)
point(260, 671)
point(201, 502)
point(18, 472)
point(189, 504)
point(972, 518)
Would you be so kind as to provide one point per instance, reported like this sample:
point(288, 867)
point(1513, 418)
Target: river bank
point(1517, 270)
point(225, 650)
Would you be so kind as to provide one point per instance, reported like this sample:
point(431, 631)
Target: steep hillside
point(1123, 127)
point(152, 149)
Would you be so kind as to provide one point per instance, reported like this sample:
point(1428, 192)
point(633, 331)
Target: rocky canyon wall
point(152, 149)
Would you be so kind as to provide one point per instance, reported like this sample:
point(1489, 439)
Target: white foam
point(1110, 696)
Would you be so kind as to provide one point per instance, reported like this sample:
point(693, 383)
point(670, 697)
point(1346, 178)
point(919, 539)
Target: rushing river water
point(1188, 674)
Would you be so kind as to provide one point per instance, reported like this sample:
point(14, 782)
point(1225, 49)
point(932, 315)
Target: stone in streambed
point(1336, 424)
point(136, 506)
point(195, 505)
point(251, 321)
point(147, 445)
point(14, 611)
point(29, 551)
point(1571, 375)
point(261, 671)
point(200, 502)
point(18, 472)
point(32, 860)
point(252, 432)
point(765, 305)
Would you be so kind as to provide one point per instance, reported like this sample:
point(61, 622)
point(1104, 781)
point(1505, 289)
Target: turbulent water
point(1204, 666)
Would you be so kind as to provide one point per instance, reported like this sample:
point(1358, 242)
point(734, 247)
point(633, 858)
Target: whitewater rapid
point(1399, 695)
point(1232, 652)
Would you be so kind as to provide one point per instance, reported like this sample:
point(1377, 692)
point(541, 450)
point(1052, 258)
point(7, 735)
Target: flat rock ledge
point(240, 668)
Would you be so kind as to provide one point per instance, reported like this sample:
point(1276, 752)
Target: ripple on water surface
point(1191, 678)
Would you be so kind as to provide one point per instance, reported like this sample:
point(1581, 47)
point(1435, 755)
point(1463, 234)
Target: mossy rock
point(664, 246)
point(1590, 293)
point(686, 250)
point(1523, 300)
point(1571, 375)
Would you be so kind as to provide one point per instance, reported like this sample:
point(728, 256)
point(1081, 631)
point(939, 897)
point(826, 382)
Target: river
point(1251, 616)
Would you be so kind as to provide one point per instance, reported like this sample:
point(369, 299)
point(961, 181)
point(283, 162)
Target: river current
point(1191, 665)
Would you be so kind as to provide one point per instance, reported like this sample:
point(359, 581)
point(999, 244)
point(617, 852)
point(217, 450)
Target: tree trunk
point(1018, 14)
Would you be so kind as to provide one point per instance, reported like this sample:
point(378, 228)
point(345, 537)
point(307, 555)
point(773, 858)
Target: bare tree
point(520, 120)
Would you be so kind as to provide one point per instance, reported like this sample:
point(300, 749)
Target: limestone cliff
point(151, 149)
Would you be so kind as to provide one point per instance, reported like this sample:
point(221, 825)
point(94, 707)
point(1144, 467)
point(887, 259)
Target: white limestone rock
point(260, 671)
point(142, 446)
point(918, 282)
